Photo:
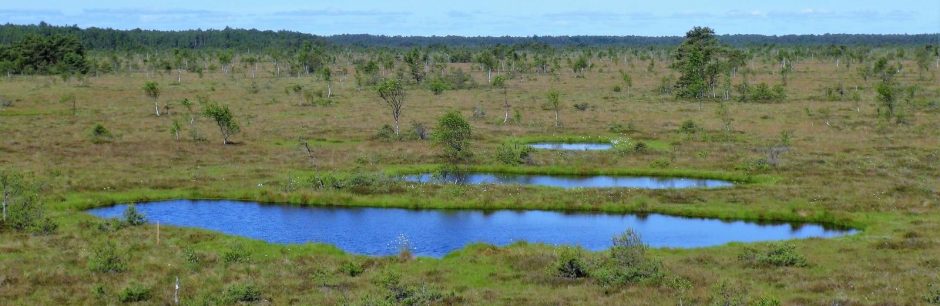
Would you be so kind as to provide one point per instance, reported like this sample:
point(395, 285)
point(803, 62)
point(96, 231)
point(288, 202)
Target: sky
point(491, 18)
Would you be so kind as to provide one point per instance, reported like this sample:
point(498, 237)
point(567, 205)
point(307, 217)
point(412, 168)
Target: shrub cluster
point(105, 259)
point(241, 293)
point(23, 210)
point(134, 293)
point(363, 183)
point(627, 263)
point(762, 93)
point(775, 254)
point(514, 153)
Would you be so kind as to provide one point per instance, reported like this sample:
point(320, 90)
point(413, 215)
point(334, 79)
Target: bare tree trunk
point(329, 89)
point(224, 136)
point(506, 105)
point(396, 126)
point(156, 107)
point(192, 126)
point(556, 118)
point(179, 75)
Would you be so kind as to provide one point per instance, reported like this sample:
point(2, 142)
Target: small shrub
point(191, 256)
point(453, 135)
point(362, 183)
point(105, 259)
point(403, 294)
point(689, 127)
point(661, 163)
point(776, 255)
point(242, 293)
point(628, 262)
point(236, 254)
point(132, 217)
point(100, 134)
point(386, 133)
point(727, 294)
point(98, 291)
point(628, 249)
point(438, 86)
point(766, 301)
point(618, 128)
point(512, 153)
point(933, 294)
point(570, 263)
point(640, 147)
point(762, 93)
point(418, 131)
point(134, 293)
point(351, 269)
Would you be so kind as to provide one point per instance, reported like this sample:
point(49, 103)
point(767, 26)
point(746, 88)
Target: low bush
point(689, 127)
point(933, 294)
point(132, 217)
point(100, 134)
point(661, 163)
point(236, 253)
point(438, 86)
point(399, 293)
point(105, 259)
point(386, 133)
point(619, 128)
point(134, 293)
point(351, 269)
point(513, 153)
point(762, 93)
point(23, 210)
point(362, 183)
point(242, 293)
point(628, 262)
point(570, 263)
point(775, 254)
point(418, 131)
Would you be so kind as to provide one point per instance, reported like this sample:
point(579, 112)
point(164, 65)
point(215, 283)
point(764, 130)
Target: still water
point(565, 181)
point(571, 146)
point(374, 231)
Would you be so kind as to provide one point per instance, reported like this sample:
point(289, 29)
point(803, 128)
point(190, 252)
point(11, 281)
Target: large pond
point(375, 231)
point(565, 181)
point(571, 146)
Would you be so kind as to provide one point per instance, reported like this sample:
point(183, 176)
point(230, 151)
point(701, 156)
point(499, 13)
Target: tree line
point(251, 39)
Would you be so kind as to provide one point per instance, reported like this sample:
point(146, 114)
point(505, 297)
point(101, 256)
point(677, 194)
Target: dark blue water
point(571, 146)
point(374, 231)
point(563, 181)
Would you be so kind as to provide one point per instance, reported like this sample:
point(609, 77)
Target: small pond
point(566, 181)
point(374, 231)
point(571, 146)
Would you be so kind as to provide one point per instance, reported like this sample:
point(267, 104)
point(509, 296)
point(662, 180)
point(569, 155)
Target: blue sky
point(488, 18)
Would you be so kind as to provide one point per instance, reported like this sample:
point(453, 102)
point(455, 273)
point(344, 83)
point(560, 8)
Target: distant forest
point(242, 39)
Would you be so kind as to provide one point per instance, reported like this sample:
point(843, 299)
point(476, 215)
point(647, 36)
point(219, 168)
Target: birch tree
point(152, 90)
point(393, 93)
